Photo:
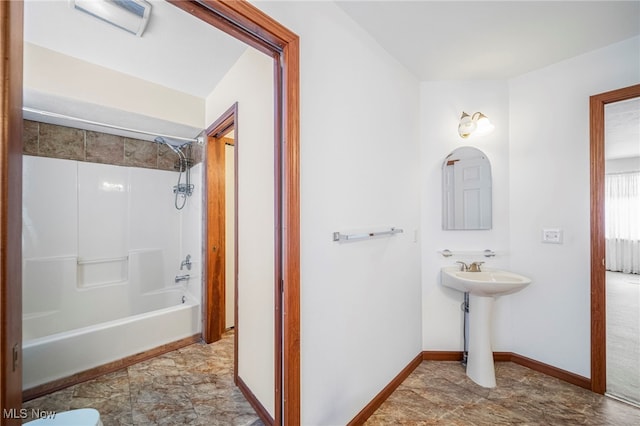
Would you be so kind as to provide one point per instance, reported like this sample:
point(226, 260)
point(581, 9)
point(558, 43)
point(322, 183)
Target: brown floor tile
point(440, 393)
point(189, 386)
point(194, 386)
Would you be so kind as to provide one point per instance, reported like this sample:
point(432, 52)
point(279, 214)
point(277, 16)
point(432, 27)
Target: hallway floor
point(194, 386)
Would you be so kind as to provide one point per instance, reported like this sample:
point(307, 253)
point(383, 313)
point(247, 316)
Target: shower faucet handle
point(186, 262)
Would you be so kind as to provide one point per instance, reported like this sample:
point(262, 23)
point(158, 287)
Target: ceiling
point(435, 40)
point(488, 40)
point(622, 129)
point(176, 50)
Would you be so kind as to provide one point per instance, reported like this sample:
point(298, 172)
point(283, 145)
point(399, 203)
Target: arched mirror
point(466, 190)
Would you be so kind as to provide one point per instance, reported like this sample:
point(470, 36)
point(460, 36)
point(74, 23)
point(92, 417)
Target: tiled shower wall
point(50, 140)
point(98, 197)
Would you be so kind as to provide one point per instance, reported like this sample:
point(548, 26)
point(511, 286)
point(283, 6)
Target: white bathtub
point(62, 354)
point(69, 327)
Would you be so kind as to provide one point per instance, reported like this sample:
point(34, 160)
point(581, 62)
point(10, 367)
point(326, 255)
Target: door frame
point(597, 104)
point(246, 23)
point(11, 24)
point(214, 256)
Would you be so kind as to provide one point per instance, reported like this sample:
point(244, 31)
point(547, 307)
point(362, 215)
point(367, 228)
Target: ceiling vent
point(129, 15)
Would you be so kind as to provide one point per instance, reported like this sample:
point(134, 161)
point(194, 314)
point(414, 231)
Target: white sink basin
point(489, 282)
point(483, 288)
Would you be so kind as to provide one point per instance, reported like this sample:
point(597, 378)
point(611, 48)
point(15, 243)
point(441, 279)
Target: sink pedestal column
point(480, 366)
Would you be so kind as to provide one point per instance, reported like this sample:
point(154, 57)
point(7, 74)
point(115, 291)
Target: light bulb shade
point(466, 126)
point(477, 124)
point(484, 125)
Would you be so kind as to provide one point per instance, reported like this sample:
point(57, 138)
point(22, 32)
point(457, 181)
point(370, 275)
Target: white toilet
point(81, 417)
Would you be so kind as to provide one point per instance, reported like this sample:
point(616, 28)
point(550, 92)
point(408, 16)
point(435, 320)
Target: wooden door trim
point(247, 23)
point(598, 272)
point(214, 309)
point(11, 24)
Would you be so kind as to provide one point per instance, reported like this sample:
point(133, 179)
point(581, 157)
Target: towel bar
point(338, 236)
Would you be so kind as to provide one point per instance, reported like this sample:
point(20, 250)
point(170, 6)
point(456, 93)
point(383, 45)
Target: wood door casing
point(11, 18)
point(244, 22)
point(216, 245)
point(598, 272)
point(215, 202)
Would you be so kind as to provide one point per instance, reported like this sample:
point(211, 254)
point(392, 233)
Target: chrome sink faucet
point(463, 266)
point(475, 267)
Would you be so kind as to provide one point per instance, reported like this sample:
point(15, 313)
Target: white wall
point(549, 174)
point(51, 74)
point(250, 83)
point(360, 301)
point(540, 162)
point(442, 104)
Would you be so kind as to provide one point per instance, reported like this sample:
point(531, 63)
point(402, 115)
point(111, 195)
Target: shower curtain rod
point(111, 126)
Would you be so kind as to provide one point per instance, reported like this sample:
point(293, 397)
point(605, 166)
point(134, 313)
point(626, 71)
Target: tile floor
point(194, 386)
point(189, 386)
point(440, 393)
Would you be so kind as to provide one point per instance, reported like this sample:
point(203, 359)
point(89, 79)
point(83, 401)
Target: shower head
point(171, 141)
point(175, 146)
point(172, 144)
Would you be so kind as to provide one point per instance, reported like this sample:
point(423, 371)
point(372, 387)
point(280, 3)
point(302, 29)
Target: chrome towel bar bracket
point(485, 253)
point(338, 236)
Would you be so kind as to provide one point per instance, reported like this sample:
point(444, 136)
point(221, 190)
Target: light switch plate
point(552, 236)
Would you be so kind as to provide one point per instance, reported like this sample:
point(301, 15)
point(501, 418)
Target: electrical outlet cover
point(552, 236)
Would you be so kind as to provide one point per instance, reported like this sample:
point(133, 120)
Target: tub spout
point(182, 278)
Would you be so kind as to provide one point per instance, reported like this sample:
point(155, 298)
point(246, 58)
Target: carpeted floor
point(623, 336)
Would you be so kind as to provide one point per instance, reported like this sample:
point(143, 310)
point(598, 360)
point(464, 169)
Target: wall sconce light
point(477, 124)
point(129, 15)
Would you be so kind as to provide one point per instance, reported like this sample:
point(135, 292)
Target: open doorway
point(600, 307)
point(221, 235)
point(246, 23)
point(622, 246)
point(229, 141)
point(257, 216)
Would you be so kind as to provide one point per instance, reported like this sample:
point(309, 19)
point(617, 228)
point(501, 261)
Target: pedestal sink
point(483, 287)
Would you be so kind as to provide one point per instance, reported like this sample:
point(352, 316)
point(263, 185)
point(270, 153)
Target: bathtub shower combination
point(94, 326)
point(103, 246)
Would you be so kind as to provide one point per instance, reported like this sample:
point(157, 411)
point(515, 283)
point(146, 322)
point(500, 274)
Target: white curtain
point(622, 222)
